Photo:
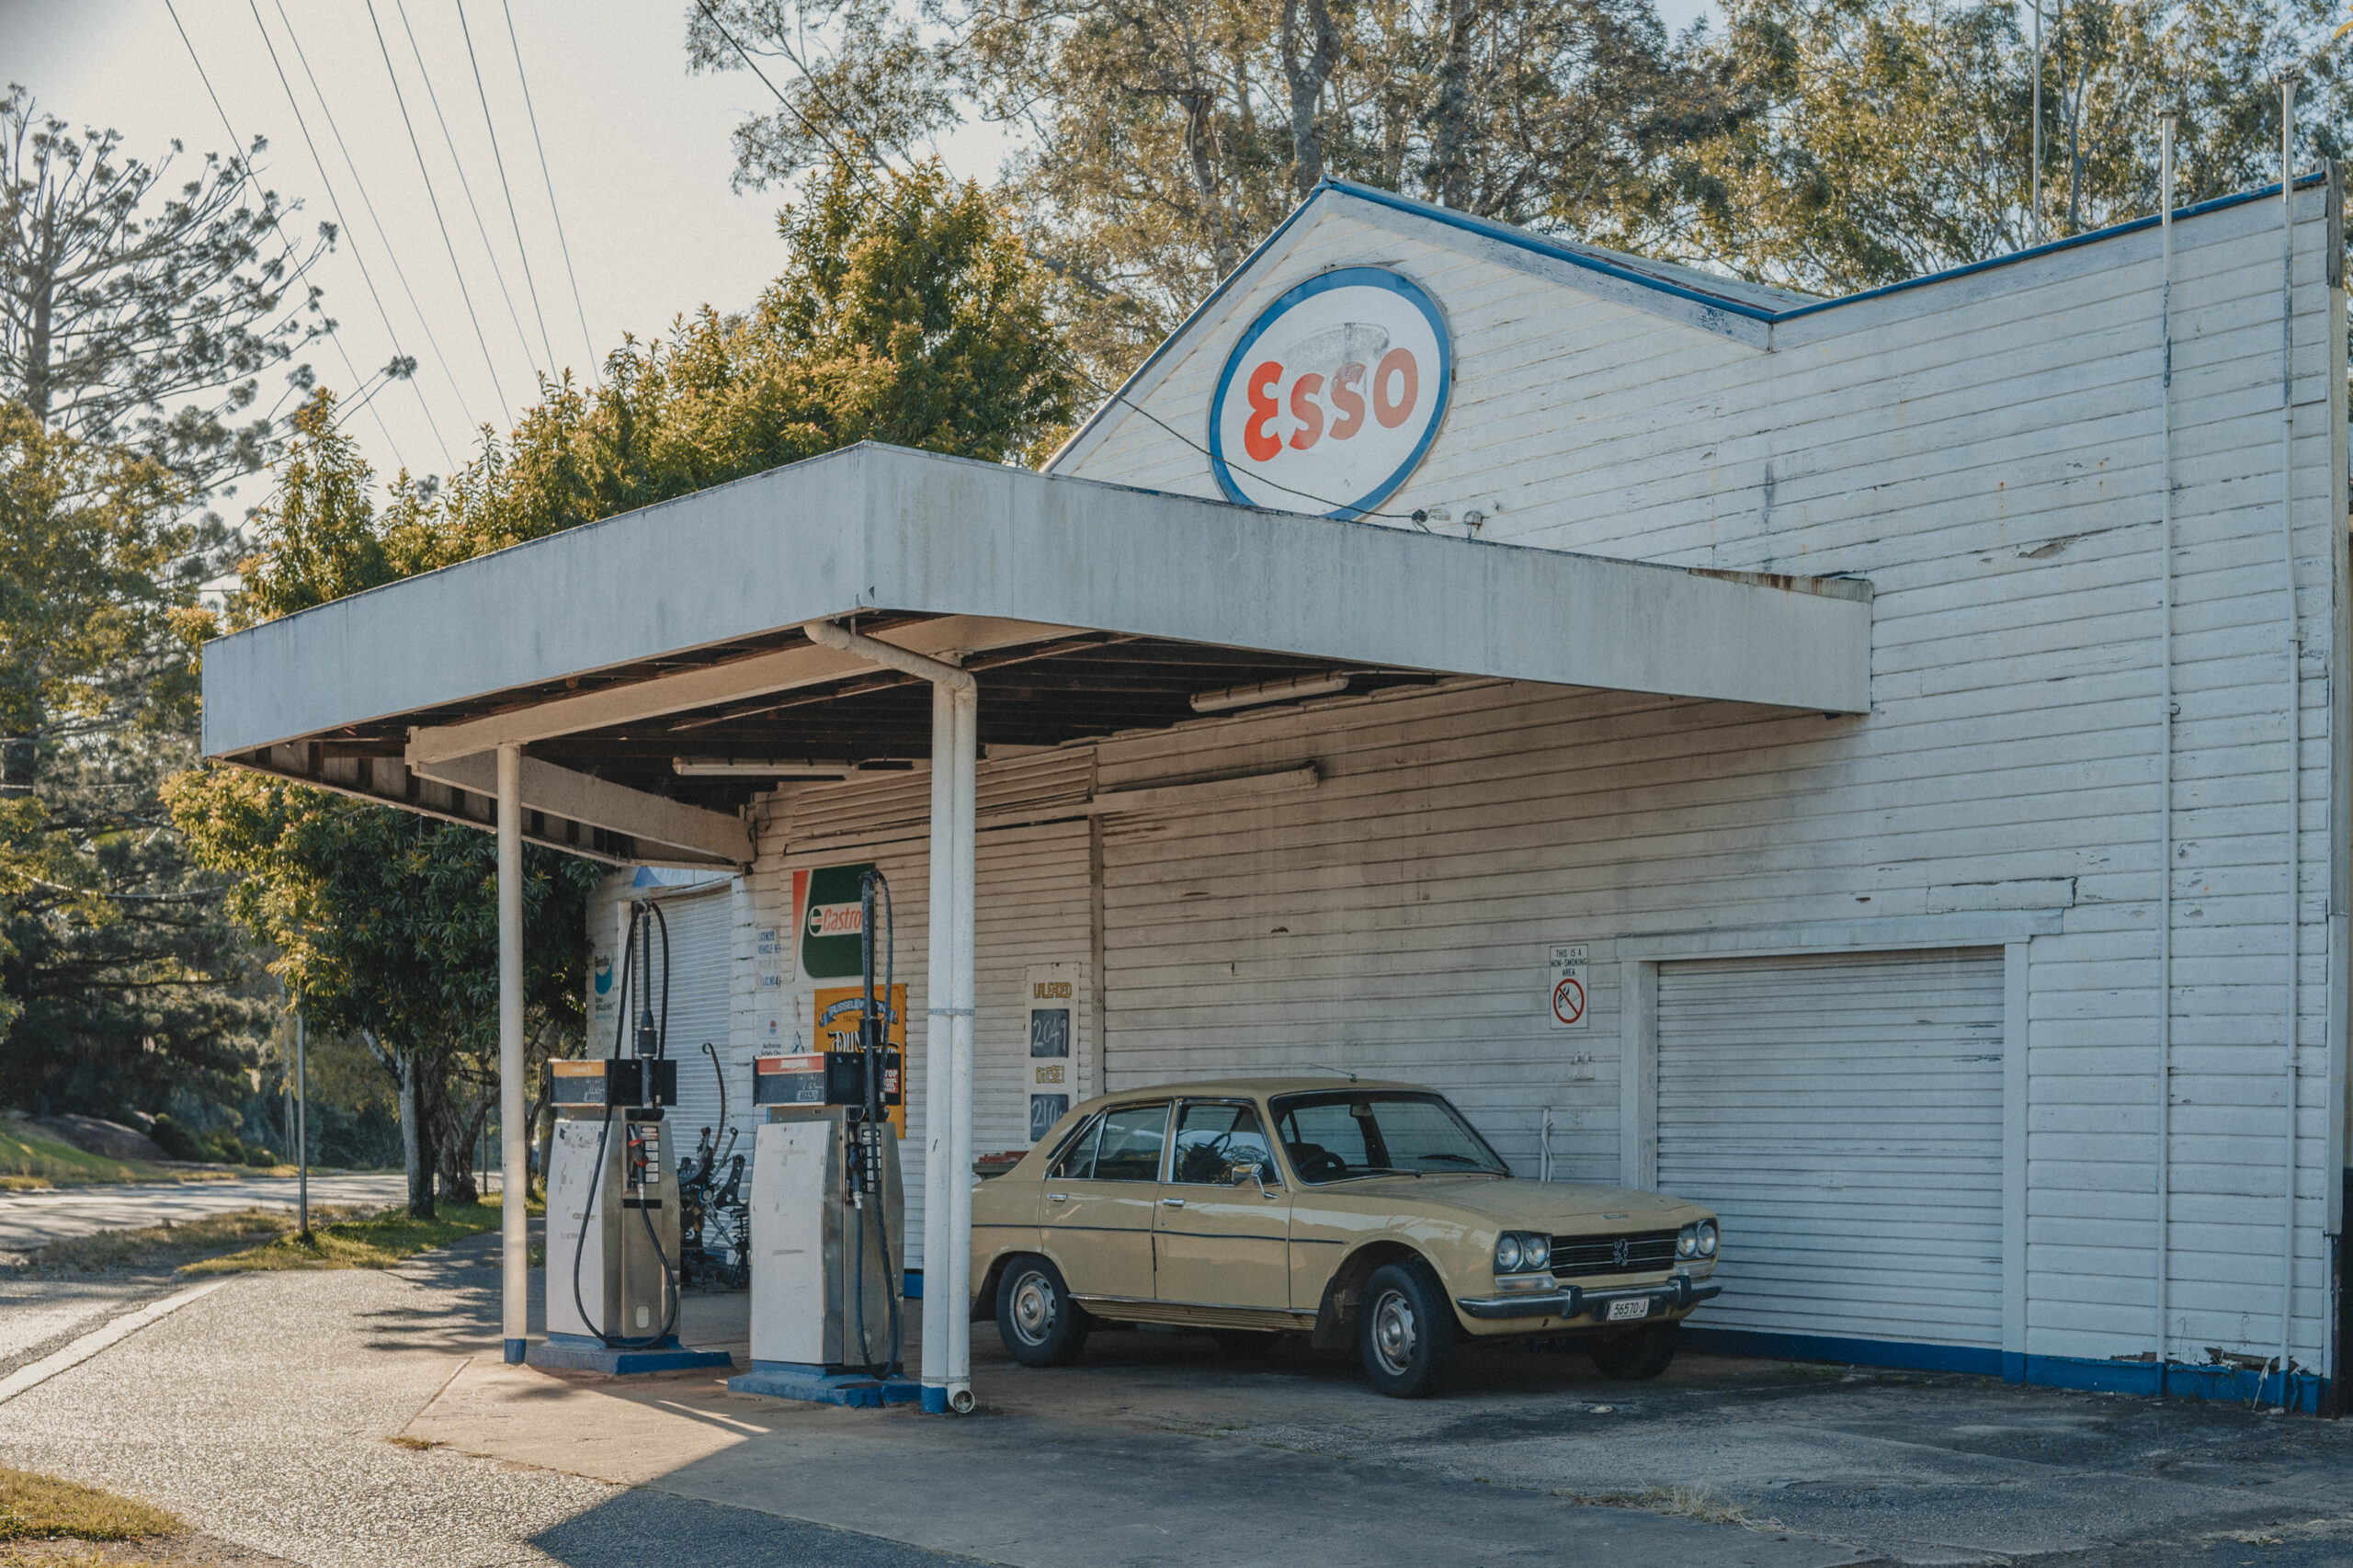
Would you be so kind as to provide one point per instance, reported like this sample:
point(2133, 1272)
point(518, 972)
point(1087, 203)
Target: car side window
point(1076, 1161)
point(1212, 1139)
point(1128, 1146)
point(1314, 1136)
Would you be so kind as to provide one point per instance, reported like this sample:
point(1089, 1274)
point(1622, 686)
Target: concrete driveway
point(28, 1219)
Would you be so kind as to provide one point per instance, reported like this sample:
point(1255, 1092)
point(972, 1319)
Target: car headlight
point(1686, 1241)
point(1707, 1229)
point(1522, 1251)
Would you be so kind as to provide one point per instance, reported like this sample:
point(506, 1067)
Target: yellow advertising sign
point(839, 1012)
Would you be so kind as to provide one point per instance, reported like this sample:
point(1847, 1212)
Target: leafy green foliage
point(1884, 138)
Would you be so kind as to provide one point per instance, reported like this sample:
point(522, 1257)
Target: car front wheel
point(1634, 1357)
point(1040, 1325)
point(1406, 1332)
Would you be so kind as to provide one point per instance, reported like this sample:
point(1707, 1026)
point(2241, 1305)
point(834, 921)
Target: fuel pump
point(611, 1275)
point(828, 1212)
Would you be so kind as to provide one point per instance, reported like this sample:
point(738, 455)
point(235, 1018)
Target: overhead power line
point(554, 211)
point(366, 277)
point(368, 204)
point(466, 187)
point(245, 163)
point(440, 222)
point(522, 251)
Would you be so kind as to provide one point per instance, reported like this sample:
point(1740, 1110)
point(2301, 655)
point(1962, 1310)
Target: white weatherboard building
point(1877, 766)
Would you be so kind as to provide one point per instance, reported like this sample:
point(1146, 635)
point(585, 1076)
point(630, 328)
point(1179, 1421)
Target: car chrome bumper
point(1571, 1301)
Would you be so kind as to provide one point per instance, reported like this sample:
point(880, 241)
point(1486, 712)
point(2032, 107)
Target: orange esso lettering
point(1256, 440)
point(1399, 363)
point(1347, 399)
point(1307, 411)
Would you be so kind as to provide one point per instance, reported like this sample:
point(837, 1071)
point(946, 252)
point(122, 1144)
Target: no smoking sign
point(1568, 994)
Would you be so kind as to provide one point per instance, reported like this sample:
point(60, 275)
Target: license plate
point(1626, 1310)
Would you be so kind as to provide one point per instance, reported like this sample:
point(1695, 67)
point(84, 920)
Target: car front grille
point(1643, 1252)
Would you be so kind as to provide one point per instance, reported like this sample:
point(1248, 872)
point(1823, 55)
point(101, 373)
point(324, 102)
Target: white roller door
point(1844, 1116)
point(702, 952)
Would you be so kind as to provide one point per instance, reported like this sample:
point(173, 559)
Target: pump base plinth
point(581, 1353)
point(815, 1385)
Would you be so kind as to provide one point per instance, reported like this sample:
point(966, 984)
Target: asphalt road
point(28, 1219)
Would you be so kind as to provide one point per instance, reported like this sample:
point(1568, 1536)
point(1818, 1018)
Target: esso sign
point(1332, 396)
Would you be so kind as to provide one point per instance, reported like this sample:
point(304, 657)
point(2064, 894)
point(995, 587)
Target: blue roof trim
point(2237, 199)
point(1526, 241)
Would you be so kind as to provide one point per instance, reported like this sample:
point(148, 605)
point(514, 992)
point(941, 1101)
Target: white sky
point(638, 151)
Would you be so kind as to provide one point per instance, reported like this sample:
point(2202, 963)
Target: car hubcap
point(1033, 1307)
point(1392, 1332)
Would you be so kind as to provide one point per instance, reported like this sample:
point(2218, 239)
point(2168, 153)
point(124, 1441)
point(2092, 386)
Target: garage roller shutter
point(701, 962)
point(1844, 1116)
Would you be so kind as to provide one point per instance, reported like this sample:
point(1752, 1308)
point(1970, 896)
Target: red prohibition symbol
point(1568, 1001)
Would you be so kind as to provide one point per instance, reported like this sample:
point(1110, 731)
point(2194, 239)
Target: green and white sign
point(831, 922)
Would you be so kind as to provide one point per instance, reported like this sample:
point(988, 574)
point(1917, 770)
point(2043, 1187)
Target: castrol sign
point(1332, 396)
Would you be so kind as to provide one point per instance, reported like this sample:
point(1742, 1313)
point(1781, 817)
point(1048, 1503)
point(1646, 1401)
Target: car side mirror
point(1249, 1172)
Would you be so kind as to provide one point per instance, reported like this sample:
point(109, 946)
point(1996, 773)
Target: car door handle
point(1058, 1198)
point(1172, 1203)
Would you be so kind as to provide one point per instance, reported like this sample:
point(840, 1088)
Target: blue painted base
point(815, 1385)
point(2306, 1393)
point(935, 1401)
point(911, 1285)
point(516, 1350)
point(579, 1352)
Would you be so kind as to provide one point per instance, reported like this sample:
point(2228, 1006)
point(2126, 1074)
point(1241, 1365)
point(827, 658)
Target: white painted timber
point(882, 527)
point(567, 792)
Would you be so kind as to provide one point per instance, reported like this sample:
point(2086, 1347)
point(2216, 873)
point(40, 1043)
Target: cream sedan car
point(1363, 1211)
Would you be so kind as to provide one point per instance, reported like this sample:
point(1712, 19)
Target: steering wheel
point(1315, 1162)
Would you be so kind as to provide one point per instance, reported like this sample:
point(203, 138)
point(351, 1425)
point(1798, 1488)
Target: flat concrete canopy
point(615, 650)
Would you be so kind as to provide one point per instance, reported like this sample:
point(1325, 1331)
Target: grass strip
point(32, 1159)
point(374, 1241)
point(41, 1508)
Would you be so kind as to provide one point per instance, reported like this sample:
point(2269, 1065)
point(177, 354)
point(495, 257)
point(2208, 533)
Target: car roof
point(1258, 1088)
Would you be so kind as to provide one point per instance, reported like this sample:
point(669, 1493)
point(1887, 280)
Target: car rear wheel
point(1637, 1356)
point(1406, 1332)
point(1040, 1325)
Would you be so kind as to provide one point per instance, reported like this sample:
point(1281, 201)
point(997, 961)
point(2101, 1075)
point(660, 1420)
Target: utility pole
point(302, 1129)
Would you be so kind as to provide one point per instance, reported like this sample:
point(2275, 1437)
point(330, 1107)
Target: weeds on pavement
point(41, 1508)
point(349, 1241)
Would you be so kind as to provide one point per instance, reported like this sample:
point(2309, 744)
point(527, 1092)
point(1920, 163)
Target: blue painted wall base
point(516, 1350)
point(580, 1353)
point(2306, 1393)
point(815, 1385)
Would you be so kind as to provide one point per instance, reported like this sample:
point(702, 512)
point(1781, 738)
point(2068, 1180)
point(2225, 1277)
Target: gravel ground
point(30, 1220)
point(261, 1414)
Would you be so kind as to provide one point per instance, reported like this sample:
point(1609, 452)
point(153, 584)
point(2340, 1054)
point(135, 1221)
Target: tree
point(1163, 139)
point(1892, 137)
point(139, 315)
point(117, 981)
point(905, 313)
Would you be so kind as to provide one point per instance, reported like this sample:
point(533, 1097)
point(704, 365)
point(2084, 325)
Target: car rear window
point(1123, 1145)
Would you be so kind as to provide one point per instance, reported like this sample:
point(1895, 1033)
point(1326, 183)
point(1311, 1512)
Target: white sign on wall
point(1565, 993)
point(1332, 396)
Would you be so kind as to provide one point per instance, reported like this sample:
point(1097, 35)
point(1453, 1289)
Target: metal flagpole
point(302, 1129)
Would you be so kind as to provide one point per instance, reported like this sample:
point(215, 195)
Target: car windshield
point(1336, 1134)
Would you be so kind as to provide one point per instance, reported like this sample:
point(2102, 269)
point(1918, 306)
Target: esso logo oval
point(1332, 396)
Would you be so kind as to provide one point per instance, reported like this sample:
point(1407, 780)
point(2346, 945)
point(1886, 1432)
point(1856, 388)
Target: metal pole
point(2165, 125)
point(302, 1129)
point(514, 1200)
point(2295, 713)
point(938, 1139)
point(2035, 157)
point(964, 763)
